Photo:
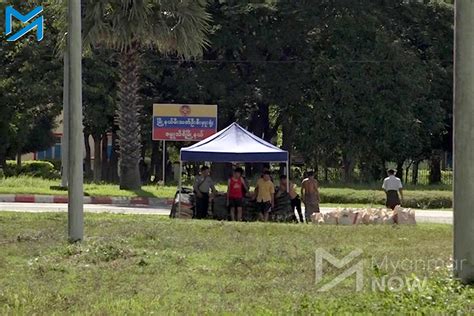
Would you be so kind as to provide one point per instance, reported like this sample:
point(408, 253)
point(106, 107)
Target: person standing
point(203, 184)
point(294, 197)
point(392, 187)
point(235, 194)
point(265, 192)
point(310, 195)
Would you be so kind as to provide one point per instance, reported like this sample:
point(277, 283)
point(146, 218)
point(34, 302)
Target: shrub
point(34, 168)
point(413, 199)
point(56, 163)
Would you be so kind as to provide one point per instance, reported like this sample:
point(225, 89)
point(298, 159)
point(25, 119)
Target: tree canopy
point(350, 85)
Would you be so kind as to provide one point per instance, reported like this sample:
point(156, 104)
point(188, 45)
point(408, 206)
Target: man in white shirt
point(392, 187)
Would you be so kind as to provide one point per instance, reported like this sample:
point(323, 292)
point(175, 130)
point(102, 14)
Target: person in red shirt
point(235, 194)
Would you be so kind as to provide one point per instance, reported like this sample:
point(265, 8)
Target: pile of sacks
point(187, 206)
point(366, 216)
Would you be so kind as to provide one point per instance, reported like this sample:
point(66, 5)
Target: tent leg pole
point(180, 186)
point(295, 211)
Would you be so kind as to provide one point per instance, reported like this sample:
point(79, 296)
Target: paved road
point(427, 216)
point(92, 208)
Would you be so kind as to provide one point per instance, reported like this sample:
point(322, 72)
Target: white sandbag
point(348, 217)
point(404, 216)
point(366, 216)
point(331, 218)
point(379, 217)
point(317, 218)
point(389, 218)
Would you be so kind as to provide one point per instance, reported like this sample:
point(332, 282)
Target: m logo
point(357, 268)
point(10, 13)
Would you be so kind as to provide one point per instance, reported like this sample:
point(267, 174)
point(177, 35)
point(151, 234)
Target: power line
point(256, 61)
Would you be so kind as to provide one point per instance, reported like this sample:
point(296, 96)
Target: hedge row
point(35, 168)
point(413, 199)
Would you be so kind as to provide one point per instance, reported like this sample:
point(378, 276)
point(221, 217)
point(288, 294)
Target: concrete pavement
point(90, 208)
point(422, 216)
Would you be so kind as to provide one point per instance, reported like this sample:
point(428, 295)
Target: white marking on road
point(91, 208)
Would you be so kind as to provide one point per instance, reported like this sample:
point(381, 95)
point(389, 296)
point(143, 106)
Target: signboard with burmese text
point(184, 122)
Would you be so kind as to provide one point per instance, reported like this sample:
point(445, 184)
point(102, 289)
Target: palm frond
point(166, 25)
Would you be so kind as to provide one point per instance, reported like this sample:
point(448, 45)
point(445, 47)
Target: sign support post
point(164, 162)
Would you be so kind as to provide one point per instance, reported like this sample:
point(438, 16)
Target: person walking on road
point(310, 195)
point(393, 189)
point(203, 184)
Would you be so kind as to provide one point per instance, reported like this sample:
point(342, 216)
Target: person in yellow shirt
point(265, 191)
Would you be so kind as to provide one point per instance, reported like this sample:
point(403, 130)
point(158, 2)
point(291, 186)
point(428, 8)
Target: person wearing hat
point(202, 185)
point(393, 188)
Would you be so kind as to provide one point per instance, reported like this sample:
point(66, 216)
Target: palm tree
point(168, 26)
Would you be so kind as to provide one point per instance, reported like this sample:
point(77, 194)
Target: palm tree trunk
point(97, 158)
point(105, 158)
point(128, 114)
point(112, 174)
point(87, 159)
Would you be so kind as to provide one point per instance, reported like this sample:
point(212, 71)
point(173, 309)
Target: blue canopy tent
point(232, 144)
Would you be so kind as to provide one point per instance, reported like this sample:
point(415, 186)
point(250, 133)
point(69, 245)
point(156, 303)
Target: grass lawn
point(141, 264)
point(428, 198)
point(30, 185)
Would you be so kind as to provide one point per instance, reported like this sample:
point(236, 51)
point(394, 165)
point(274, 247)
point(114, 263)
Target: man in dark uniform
point(202, 185)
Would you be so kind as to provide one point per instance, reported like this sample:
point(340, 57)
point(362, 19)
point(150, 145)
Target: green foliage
point(34, 185)
point(30, 93)
point(429, 199)
point(349, 85)
point(40, 169)
point(131, 264)
point(346, 85)
point(423, 197)
point(100, 92)
point(56, 163)
point(166, 27)
point(375, 97)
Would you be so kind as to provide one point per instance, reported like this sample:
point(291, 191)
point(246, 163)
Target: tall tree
point(99, 100)
point(127, 26)
point(29, 88)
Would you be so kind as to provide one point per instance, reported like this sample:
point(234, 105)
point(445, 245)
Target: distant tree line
point(351, 85)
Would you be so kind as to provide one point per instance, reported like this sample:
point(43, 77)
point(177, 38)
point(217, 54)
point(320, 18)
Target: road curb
point(36, 198)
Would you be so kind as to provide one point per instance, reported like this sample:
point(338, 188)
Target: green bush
point(56, 163)
point(33, 168)
point(413, 199)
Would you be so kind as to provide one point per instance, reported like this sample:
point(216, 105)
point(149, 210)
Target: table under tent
point(232, 144)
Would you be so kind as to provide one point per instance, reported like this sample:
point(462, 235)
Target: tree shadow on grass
point(143, 193)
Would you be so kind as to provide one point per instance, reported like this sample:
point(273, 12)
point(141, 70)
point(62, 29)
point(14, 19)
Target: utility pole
point(464, 141)
point(65, 137)
point(75, 165)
